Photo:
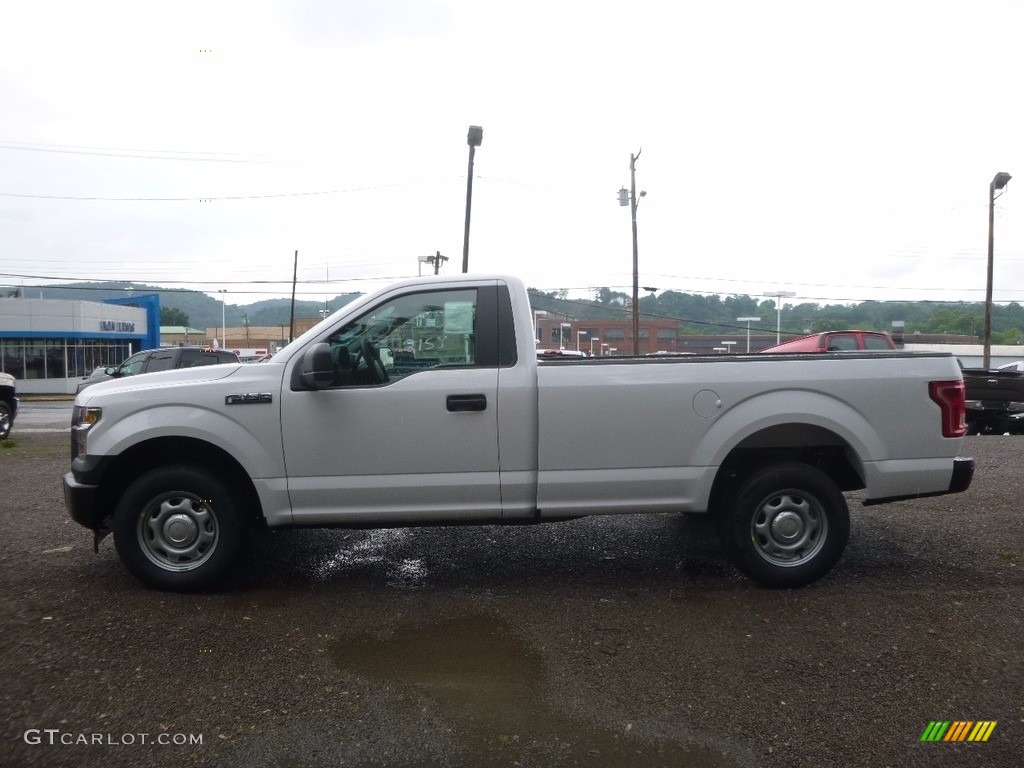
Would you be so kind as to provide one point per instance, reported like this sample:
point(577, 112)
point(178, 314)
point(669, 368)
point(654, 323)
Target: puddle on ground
point(489, 685)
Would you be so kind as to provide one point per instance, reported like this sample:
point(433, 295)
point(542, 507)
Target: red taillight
point(950, 395)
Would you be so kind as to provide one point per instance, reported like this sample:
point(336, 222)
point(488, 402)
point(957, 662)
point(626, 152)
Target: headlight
point(82, 420)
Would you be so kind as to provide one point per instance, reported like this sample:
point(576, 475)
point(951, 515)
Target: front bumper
point(81, 502)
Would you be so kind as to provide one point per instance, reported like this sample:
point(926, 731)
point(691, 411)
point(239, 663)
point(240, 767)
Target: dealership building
point(48, 345)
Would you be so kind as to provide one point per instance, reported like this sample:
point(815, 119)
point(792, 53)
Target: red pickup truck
point(837, 341)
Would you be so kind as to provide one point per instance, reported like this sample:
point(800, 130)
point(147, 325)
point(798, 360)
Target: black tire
point(786, 525)
point(6, 422)
point(178, 528)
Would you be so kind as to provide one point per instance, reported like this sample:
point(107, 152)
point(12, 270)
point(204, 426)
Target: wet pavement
point(599, 642)
point(35, 415)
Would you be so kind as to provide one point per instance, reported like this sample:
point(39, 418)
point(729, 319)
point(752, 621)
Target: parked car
point(837, 341)
point(162, 359)
point(544, 354)
point(1015, 366)
point(995, 400)
point(8, 405)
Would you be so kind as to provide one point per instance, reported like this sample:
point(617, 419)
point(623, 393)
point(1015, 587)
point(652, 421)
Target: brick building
point(604, 337)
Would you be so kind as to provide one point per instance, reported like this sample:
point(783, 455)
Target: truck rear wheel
point(178, 528)
point(786, 525)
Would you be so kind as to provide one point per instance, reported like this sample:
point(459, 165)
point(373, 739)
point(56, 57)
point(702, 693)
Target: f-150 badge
point(249, 397)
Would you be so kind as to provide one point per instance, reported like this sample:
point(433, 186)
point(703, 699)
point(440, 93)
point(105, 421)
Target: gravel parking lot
point(603, 642)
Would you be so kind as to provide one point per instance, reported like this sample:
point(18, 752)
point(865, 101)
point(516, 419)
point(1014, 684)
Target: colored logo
point(958, 730)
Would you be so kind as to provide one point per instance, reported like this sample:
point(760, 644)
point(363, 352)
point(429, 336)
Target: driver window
point(415, 332)
point(133, 365)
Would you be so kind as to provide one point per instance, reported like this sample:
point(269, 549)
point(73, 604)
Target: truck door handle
point(462, 403)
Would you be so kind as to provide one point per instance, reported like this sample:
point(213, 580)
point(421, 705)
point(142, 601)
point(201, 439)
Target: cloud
point(330, 24)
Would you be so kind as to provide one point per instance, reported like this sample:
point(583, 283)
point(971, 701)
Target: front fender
point(255, 441)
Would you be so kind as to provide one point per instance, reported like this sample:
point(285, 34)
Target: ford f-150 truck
point(458, 421)
point(995, 401)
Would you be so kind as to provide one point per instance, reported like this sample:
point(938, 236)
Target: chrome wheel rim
point(788, 528)
point(177, 532)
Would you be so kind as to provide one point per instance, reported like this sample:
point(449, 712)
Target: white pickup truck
point(458, 421)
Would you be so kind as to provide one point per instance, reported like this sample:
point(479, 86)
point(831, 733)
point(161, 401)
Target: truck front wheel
point(177, 528)
point(786, 525)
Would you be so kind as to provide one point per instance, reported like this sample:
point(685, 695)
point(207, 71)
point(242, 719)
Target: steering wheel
point(373, 362)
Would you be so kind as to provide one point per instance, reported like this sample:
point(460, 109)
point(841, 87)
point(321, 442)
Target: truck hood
point(6, 380)
point(159, 380)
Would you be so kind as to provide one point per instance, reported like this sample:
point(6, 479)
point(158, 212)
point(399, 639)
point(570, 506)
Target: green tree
point(607, 297)
point(172, 316)
point(948, 320)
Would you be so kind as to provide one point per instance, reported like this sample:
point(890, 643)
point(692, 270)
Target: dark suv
point(163, 359)
point(8, 405)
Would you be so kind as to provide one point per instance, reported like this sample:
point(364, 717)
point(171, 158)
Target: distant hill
point(203, 311)
point(696, 313)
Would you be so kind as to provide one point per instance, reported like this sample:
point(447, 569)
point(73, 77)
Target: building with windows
point(48, 345)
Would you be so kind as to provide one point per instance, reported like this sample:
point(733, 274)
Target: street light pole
point(474, 138)
point(778, 295)
point(998, 182)
point(748, 321)
point(578, 334)
point(536, 324)
point(561, 334)
point(592, 340)
point(223, 329)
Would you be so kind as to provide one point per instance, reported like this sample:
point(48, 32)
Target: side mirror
point(111, 371)
point(317, 369)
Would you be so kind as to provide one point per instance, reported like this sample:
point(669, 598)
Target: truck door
point(408, 429)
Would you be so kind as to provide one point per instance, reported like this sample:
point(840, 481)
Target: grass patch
point(29, 446)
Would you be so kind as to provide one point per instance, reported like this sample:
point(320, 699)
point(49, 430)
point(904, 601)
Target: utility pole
point(295, 279)
point(630, 199)
point(436, 260)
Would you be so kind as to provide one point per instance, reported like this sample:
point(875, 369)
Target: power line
point(209, 198)
point(209, 282)
point(100, 152)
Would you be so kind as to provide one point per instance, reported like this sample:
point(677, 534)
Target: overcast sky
point(841, 150)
